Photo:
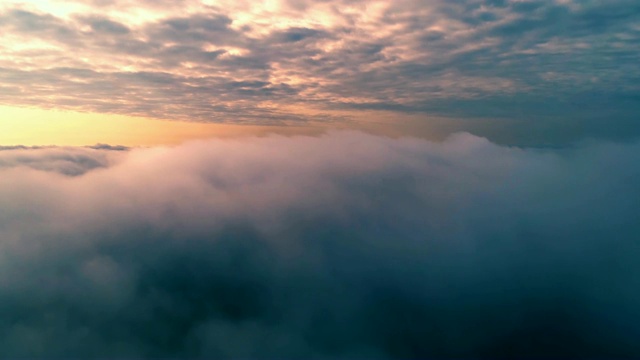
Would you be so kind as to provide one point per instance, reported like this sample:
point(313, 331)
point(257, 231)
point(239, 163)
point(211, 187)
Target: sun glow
point(38, 127)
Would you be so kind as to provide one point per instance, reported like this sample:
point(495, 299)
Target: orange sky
point(39, 127)
point(32, 127)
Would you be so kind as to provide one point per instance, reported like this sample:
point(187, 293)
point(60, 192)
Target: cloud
point(107, 26)
point(343, 245)
point(108, 147)
point(175, 60)
point(66, 161)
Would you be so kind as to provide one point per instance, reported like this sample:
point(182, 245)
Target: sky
point(552, 71)
point(289, 179)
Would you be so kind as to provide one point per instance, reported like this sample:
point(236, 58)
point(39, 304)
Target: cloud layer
point(66, 161)
point(287, 247)
point(290, 61)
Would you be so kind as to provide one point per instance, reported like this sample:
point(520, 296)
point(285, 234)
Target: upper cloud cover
point(571, 64)
point(287, 247)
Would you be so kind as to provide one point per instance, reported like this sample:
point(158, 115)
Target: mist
point(340, 245)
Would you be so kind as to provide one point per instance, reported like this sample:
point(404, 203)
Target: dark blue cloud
point(346, 245)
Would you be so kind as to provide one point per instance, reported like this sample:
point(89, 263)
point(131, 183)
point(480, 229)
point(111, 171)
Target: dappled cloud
point(297, 61)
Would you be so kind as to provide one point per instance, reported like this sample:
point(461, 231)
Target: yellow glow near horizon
point(39, 127)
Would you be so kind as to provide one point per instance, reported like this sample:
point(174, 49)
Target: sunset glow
point(41, 127)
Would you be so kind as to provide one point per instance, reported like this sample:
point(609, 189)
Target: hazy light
point(29, 126)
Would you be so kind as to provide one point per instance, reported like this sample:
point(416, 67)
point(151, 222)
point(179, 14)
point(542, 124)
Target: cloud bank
point(344, 245)
point(293, 61)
